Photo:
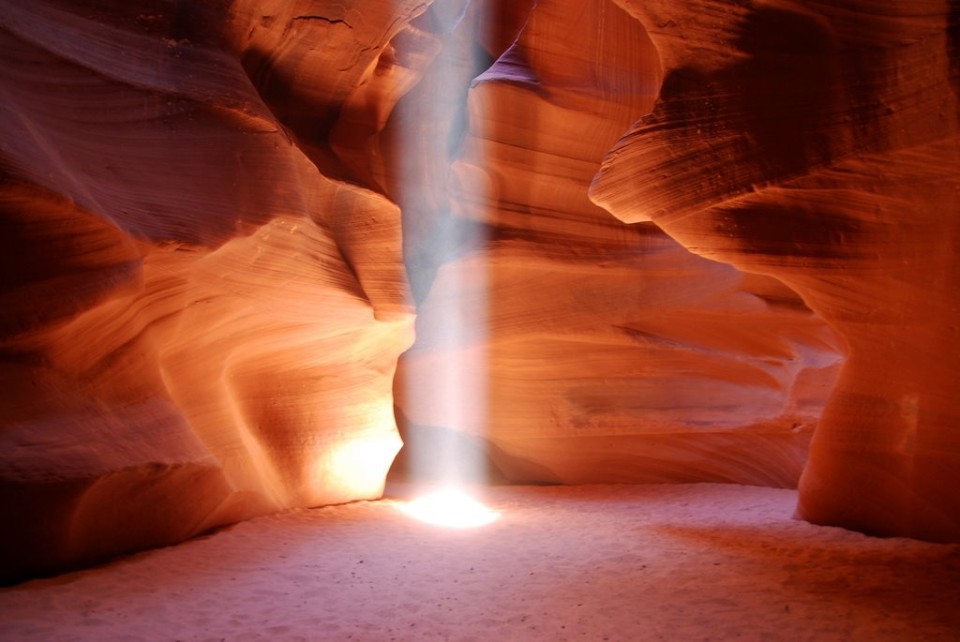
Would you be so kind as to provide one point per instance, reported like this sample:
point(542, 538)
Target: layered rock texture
point(817, 142)
point(224, 222)
point(197, 323)
point(602, 352)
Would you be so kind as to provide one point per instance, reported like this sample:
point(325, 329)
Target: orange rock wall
point(605, 352)
point(222, 223)
point(198, 323)
point(821, 141)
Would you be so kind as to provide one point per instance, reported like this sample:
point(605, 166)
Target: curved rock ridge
point(210, 213)
point(818, 143)
point(197, 325)
point(605, 352)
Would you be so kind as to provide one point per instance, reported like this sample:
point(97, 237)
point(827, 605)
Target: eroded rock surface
point(197, 324)
point(817, 143)
point(211, 213)
point(600, 352)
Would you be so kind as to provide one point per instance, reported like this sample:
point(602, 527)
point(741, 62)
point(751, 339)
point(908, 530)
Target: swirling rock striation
point(818, 143)
point(211, 211)
point(603, 352)
point(197, 324)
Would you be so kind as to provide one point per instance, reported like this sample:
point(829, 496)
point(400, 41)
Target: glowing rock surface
point(818, 143)
point(197, 324)
point(211, 213)
point(610, 352)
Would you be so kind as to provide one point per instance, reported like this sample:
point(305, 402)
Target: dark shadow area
point(424, 459)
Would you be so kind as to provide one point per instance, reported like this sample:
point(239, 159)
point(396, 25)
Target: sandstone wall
point(602, 352)
point(817, 142)
point(659, 229)
point(198, 323)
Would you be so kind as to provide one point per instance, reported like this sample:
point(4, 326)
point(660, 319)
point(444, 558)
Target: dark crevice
point(332, 21)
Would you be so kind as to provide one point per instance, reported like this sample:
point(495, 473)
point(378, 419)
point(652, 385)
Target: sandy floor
point(692, 562)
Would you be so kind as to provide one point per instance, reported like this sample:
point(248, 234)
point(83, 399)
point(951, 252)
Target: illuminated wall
point(623, 241)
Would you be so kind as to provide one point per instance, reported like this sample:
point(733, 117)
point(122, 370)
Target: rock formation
point(197, 323)
point(607, 352)
point(817, 142)
point(222, 220)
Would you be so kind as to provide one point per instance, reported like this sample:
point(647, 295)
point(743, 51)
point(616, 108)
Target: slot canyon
point(262, 256)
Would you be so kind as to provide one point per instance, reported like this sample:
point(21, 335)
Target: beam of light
point(450, 508)
point(444, 186)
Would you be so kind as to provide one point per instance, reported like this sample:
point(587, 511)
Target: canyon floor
point(656, 562)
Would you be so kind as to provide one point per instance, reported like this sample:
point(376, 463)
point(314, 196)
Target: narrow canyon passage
point(250, 247)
